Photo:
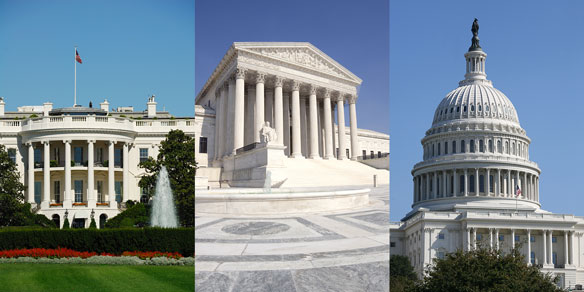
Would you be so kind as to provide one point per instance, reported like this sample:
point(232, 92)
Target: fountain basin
point(255, 201)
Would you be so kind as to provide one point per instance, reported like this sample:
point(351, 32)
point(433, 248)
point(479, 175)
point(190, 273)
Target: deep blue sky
point(130, 50)
point(535, 56)
point(355, 34)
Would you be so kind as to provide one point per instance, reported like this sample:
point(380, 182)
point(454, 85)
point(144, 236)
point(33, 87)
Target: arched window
point(481, 183)
point(513, 148)
point(472, 146)
point(464, 108)
point(506, 147)
point(499, 146)
point(472, 108)
point(446, 147)
point(453, 147)
point(481, 146)
point(439, 149)
point(57, 220)
point(471, 184)
point(102, 219)
point(490, 183)
point(458, 109)
point(462, 146)
point(433, 147)
point(491, 146)
point(451, 109)
point(480, 107)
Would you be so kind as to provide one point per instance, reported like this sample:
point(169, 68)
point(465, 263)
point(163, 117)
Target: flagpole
point(75, 94)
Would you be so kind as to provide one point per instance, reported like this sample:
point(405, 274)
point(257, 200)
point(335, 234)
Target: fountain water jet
point(163, 210)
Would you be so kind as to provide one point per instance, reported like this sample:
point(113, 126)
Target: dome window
point(472, 108)
point(464, 109)
point(451, 110)
point(453, 147)
point(499, 148)
point(481, 146)
point(491, 146)
point(458, 109)
point(462, 147)
point(472, 146)
point(480, 107)
point(446, 147)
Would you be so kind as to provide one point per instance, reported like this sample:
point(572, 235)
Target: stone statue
point(268, 134)
point(475, 36)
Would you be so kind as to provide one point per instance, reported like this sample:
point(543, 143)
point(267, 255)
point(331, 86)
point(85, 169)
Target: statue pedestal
point(250, 168)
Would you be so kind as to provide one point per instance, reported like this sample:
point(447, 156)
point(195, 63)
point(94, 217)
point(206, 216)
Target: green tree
point(136, 215)
point(486, 270)
point(66, 223)
point(402, 275)
point(92, 225)
point(178, 155)
point(12, 208)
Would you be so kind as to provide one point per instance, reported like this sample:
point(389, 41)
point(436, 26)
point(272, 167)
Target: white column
point(435, 185)
point(353, 118)
point(477, 189)
point(223, 125)
point(30, 173)
point(455, 190)
point(303, 128)
point(497, 238)
point(474, 238)
point(444, 184)
point(126, 174)
point(287, 123)
point(259, 106)
point(468, 239)
point(279, 111)
point(529, 247)
point(67, 202)
point(341, 121)
point(249, 115)
point(498, 184)
point(110, 175)
point(296, 146)
point(572, 249)
point(229, 123)
point(217, 122)
point(566, 249)
point(488, 183)
point(491, 238)
point(46, 174)
point(328, 131)
point(91, 198)
point(545, 255)
point(313, 110)
point(513, 239)
point(239, 117)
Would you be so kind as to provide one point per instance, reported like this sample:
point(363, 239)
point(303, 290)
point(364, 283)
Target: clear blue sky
point(535, 56)
point(130, 50)
point(355, 34)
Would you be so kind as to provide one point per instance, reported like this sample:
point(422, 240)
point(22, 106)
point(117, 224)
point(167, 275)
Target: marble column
point(303, 128)
point(498, 187)
point(223, 123)
point(279, 110)
point(110, 175)
point(229, 129)
point(296, 145)
point(259, 106)
point(468, 239)
point(551, 251)
point(30, 175)
point(67, 202)
point(91, 198)
point(328, 130)
point(488, 183)
point(497, 238)
point(46, 174)
point(474, 238)
point(286, 116)
point(269, 107)
point(353, 118)
point(455, 190)
point(572, 249)
point(313, 113)
point(341, 122)
point(435, 185)
point(529, 247)
point(465, 182)
point(566, 249)
point(444, 184)
point(217, 122)
point(512, 239)
point(126, 173)
point(239, 117)
point(248, 137)
point(544, 241)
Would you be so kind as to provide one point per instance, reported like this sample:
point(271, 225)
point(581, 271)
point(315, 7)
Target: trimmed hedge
point(114, 241)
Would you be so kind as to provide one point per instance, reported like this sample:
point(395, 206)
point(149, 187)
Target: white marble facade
point(464, 191)
point(295, 88)
point(83, 160)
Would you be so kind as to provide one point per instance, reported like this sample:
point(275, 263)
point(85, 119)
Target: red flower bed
point(69, 253)
point(152, 254)
point(48, 253)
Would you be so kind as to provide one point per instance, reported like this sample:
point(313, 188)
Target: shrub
point(113, 241)
point(54, 163)
point(137, 214)
point(66, 223)
point(93, 225)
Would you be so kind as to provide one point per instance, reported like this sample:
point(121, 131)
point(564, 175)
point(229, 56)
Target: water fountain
point(163, 210)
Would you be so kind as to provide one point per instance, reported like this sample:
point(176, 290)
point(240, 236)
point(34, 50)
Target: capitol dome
point(476, 155)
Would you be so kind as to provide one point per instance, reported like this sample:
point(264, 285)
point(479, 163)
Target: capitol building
point(476, 186)
point(82, 162)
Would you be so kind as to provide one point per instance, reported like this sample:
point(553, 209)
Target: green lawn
point(69, 277)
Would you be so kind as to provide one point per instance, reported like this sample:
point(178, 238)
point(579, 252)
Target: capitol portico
point(476, 186)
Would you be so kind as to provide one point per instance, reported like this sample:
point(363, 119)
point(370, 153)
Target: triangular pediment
point(302, 54)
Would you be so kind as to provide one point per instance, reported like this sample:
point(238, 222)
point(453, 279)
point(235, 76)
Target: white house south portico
point(295, 88)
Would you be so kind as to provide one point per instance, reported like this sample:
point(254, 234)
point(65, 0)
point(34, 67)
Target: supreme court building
point(298, 91)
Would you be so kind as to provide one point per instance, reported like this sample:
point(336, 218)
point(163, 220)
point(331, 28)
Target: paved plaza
point(337, 251)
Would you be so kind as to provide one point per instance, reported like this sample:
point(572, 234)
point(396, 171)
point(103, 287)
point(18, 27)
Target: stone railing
point(470, 157)
point(96, 122)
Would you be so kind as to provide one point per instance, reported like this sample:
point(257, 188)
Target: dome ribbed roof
point(472, 101)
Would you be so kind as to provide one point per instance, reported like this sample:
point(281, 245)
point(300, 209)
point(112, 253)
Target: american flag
point(517, 190)
point(77, 57)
